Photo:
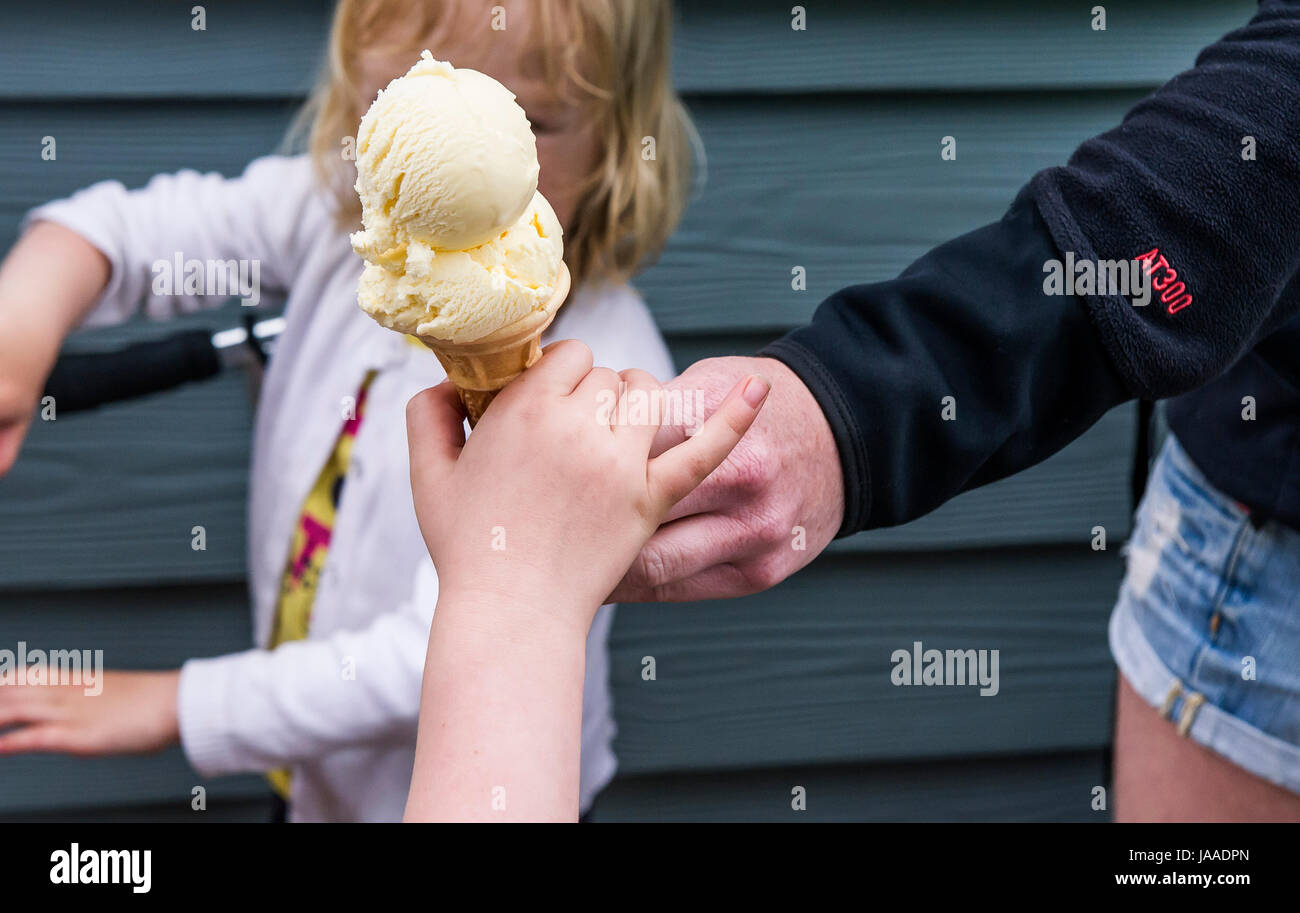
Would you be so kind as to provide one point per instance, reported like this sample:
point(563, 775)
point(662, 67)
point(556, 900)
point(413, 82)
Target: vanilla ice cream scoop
point(457, 241)
point(446, 157)
point(463, 295)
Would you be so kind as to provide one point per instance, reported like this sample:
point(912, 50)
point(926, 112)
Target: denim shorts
point(1207, 626)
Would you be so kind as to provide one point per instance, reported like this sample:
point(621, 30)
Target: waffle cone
point(481, 369)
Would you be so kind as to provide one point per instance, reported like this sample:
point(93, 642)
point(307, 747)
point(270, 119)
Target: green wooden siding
point(823, 152)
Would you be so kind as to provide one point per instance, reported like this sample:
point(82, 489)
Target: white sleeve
point(262, 709)
point(258, 220)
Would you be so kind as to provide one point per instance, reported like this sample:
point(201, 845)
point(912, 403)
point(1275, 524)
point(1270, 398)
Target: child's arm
point(48, 282)
point(531, 524)
point(105, 252)
point(187, 240)
point(501, 713)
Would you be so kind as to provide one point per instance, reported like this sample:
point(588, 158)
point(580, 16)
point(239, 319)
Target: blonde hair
point(611, 56)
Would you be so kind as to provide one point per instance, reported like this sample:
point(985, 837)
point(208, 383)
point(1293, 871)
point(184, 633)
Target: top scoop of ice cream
point(445, 157)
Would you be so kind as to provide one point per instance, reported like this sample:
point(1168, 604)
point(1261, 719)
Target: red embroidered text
point(1164, 280)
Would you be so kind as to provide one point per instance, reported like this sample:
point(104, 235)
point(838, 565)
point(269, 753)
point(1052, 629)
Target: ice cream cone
point(481, 369)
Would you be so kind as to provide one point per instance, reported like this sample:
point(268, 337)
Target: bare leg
point(1162, 776)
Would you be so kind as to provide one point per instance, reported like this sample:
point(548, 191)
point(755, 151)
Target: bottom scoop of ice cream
point(464, 295)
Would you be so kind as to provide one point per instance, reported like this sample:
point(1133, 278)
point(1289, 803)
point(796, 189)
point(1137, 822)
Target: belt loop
point(1167, 708)
point(1193, 703)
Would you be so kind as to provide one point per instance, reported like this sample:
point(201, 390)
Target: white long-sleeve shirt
point(340, 707)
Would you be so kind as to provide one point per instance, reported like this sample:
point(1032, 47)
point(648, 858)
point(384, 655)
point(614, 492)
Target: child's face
point(567, 144)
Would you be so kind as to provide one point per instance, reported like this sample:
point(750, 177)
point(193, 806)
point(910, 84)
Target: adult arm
point(1028, 372)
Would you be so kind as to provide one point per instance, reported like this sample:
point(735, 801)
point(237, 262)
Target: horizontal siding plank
point(53, 782)
point(253, 50)
point(220, 810)
point(850, 188)
point(87, 506)
point(801, 673)
point(84, 49)
point(149, 627)
point(129, 143)
point(1043, 788)
point(748, 46)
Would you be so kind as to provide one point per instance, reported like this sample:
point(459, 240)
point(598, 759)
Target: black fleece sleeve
point(1028, 372)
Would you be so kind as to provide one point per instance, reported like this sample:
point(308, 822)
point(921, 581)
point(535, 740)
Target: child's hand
point(547, 504)
point(17, 406)
point(48, 282)
point(26, 357)
point(135, 712)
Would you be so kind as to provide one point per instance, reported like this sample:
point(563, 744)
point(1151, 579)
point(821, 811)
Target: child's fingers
point(562, 367)
point(15, 713)
point(676, 472)
point(26, 740)
point(435, 431)
point(599, 392)
point(32, 713)
point(11, 437)
point(597, 379)
point(641, 407)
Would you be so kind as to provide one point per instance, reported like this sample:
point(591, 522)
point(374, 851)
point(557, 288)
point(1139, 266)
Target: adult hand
point(741, 531)
point(135, 712)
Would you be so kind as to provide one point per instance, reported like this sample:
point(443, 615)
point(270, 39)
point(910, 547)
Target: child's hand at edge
point(123, 712)
point(548, 502)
